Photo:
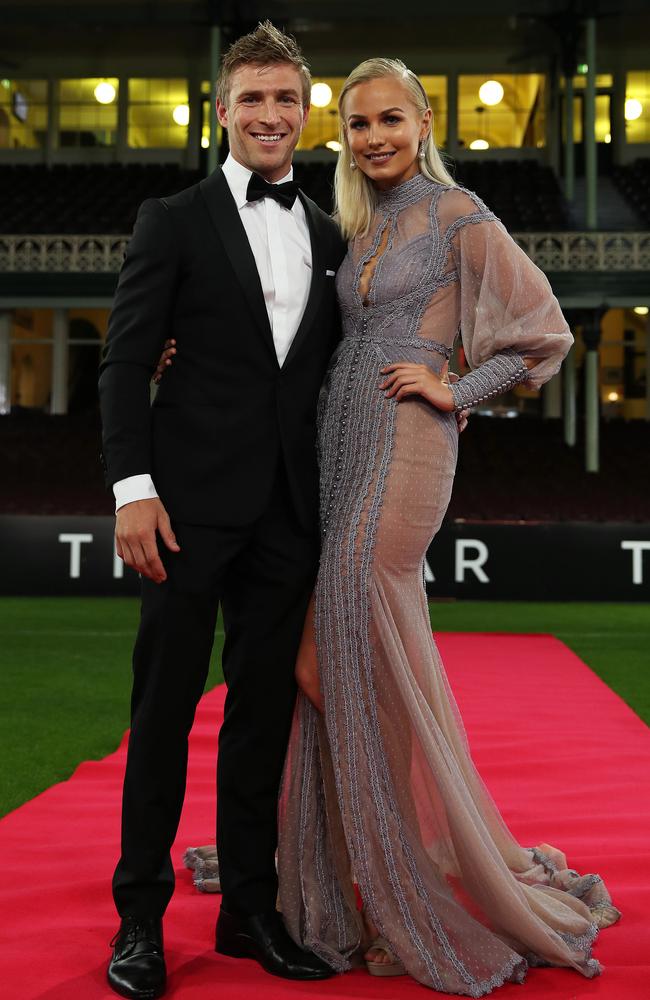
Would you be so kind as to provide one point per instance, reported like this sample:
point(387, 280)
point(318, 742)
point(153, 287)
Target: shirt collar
point(238, 177)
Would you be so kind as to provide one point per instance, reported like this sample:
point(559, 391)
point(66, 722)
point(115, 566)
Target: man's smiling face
point(265, 116)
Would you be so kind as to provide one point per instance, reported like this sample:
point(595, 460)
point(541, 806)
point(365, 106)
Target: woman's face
point(384, 129)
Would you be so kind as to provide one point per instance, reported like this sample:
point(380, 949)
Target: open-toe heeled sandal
point(392, 968)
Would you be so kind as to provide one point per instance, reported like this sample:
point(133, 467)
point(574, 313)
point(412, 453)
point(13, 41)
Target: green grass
point(65, 670)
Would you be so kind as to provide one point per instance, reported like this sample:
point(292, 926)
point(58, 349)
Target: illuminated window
point(436, 88)
point(23, 114)
point(505, 110)
point(158, 114)
point(603, 121)
point(323, 125)
point(88, 112)
point(31, 358)
point(637, 107)
point(205, 117)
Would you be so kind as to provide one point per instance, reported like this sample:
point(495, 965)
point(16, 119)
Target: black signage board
point(59, 556)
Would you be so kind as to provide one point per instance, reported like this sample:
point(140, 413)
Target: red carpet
point(565, 759)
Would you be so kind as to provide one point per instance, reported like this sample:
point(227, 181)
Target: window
point(505, 110)
point(158, 114)
point(88, 112)
point(31, 358)
point(322, 129)
point(206, 99)
point(604, 81)
point(436, 88)
point(23, 114)
point(637, 107)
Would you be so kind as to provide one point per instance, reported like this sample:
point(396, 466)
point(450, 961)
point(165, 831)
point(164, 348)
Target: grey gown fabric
point(380, 790)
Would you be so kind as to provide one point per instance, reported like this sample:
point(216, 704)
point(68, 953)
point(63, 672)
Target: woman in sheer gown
point(379, 787)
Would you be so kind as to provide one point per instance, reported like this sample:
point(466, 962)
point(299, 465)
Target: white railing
point(558, 251)
point(62, 254)
point(587, 251)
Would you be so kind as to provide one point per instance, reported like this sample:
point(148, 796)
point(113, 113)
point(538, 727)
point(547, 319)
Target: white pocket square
point(330, 274)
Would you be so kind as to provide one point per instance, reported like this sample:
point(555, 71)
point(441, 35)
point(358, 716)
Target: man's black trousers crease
point(262, 575)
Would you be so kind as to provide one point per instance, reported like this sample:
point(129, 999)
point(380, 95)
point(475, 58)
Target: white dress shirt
point(279, 239)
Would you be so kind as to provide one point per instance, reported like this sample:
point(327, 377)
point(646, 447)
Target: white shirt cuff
point(133, 488)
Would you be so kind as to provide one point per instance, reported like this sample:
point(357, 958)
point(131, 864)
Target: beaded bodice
point(411, 293)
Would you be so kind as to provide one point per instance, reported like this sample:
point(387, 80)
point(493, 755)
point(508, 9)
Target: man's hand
point(135, 537)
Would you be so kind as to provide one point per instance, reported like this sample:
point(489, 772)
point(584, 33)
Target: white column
point(59, 394)
point(569, 385)
point(552, 398)
point(592, 410)
point(5, 361)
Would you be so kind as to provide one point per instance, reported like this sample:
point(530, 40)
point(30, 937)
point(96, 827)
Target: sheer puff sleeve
point(507, 307)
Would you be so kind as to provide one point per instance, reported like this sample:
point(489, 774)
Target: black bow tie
point(285, 194)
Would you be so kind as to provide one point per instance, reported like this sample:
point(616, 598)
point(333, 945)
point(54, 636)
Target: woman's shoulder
point(455, 203)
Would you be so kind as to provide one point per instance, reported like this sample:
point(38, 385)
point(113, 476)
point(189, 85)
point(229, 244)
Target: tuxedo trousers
point(261, 575)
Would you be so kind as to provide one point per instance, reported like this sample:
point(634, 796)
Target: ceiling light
point(633, 109)
point(181, 114)
point(641, 310)
point(205, 142)
point(479, 144)
point(491, 92)
point(612, 397)
point(608, 138)
point(321, 95)
point(334, 145)
point(104, 93)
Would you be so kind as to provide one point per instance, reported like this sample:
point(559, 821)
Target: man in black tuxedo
point(216, 489)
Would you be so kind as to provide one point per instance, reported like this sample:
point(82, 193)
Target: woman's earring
point(422, 149)
point(353, 164)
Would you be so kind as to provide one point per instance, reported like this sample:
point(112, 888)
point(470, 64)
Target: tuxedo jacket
point(225, 413)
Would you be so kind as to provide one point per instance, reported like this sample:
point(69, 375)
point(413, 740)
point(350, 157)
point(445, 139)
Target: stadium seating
point(104, 198)
point(633, 181)
point(509, 470)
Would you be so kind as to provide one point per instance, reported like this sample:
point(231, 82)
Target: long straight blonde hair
point(354, 194)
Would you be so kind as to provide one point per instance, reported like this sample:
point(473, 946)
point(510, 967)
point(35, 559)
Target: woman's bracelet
point(498, 374)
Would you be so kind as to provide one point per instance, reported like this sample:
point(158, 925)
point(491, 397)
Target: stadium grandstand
point(542, 108)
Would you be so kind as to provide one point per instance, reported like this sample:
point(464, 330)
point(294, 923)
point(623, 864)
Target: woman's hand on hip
point(406, 379)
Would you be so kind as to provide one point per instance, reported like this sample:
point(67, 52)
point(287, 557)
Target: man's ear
point(305, 114)
point(222, 114)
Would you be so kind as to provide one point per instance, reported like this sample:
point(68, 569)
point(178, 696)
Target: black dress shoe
point(137, 968)
point(264, 938)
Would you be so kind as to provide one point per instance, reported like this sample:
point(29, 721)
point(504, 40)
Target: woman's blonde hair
point(354, 193)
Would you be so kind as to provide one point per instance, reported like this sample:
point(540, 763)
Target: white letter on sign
point(75, 542)
point(637, 549)
point(474, 563)
point(118, 566)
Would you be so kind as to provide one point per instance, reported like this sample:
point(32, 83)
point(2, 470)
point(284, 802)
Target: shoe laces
point(131, 932)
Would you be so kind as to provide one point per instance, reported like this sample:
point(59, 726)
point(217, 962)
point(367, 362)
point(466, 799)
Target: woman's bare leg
point(307, 661)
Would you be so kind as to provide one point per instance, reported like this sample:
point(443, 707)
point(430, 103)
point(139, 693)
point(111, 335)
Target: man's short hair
point(264, 46)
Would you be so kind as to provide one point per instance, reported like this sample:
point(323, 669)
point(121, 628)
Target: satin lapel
point(230, 231)
point(317, 286)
